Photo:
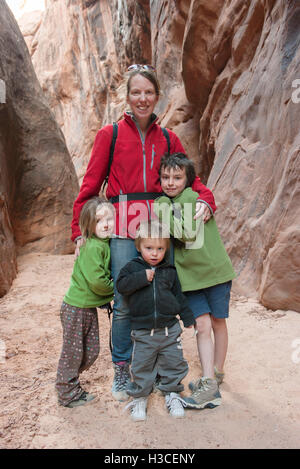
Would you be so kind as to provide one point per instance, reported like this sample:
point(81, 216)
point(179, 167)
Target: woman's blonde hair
point(87, 219)
point(152, 229)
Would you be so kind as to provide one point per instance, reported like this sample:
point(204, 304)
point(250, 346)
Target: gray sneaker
point(206, 395)
point(121, 381)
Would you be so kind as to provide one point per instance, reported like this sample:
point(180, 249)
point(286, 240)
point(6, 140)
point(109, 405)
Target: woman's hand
point(79, 243)
point(202, 210)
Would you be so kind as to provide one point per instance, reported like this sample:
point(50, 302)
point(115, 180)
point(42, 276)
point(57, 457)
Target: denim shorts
point(213, 300)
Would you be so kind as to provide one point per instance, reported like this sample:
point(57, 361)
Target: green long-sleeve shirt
point(200, 257)
point(91, 283)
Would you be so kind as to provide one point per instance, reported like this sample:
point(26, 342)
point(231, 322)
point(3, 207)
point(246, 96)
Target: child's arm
point(205, 195)
point(95, 266)
point(128, 282)
point(186, 314)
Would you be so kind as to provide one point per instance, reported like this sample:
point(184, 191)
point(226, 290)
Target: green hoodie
point(91, 283)
point(200, 257)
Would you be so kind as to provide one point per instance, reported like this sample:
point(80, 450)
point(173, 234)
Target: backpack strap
point(167, 137)
point(112, 148)
point(111, 154)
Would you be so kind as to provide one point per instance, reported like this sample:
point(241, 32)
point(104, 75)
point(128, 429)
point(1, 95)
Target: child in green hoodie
point(204, 270)
point(90, 287)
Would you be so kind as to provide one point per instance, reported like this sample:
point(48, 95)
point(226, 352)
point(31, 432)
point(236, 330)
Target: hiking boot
point(175, 405)
point(121, 381)
point(84, 399)
point(219, 376)
point(206, 395)
point(193, 385)
point(138, 408)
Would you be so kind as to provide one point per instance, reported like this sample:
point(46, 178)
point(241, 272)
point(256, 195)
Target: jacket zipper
point(152, 156)
point(154, 297)
point(144, 155)
point(144, 163)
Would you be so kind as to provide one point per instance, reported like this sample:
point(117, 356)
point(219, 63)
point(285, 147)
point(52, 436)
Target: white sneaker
point(175, 405)
point(138, 408)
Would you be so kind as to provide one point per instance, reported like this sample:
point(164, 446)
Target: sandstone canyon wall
point(250, 145)
point(79, 51)
point(227, 70)
point(239, 60)
point(38, 182)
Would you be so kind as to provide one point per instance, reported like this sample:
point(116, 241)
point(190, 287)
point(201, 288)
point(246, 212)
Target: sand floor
point(261, 393)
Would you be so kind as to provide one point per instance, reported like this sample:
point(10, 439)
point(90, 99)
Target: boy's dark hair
point(179, 160)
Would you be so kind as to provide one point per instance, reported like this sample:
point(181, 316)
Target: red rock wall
point(226, 70)
point(37, 182)
point(79, 53)
point(250, 148)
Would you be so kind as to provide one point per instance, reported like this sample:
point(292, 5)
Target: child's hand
point(150, 274)
point(202, 210)
point(79, 243)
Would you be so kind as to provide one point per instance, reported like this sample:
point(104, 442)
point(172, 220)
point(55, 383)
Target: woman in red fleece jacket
point(133, 184)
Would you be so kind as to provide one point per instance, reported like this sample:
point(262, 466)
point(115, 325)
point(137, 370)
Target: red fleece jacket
point(134, 169)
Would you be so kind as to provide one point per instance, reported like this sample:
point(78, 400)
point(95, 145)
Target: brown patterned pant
point(80, 349)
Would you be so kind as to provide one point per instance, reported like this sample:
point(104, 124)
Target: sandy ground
point(261, 393)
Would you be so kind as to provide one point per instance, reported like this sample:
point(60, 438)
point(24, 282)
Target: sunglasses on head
point(149, 68)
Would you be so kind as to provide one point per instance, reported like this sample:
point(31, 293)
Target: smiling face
point(104, 222)
point(142, 99)
point(153, 250)
point(173, 180)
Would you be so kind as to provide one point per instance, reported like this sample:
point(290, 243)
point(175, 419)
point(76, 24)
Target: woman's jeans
point(122, 251)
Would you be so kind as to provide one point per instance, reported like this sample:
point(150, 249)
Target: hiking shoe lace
point(121, 381)
point(193, 385)
point(219, 376)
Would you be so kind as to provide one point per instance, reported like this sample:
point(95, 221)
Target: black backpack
point(113, 143)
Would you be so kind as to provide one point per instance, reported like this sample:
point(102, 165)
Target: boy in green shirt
point(90, 287)
point(204, 270)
